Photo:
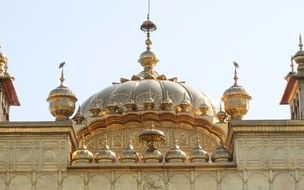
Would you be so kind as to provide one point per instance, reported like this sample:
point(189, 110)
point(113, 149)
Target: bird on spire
point(62, 74)
point(236, 66)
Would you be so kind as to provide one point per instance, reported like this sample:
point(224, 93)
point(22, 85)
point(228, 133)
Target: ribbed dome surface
point(143, 90)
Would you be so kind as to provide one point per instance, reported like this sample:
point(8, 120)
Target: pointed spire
point(81, 143)
point(236, 66)
point(62, 74)
point(148, 27)
point(299, 57)
point(300, 42)
point(148, 59)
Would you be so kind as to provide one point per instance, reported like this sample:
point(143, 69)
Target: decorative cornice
point(157, 166)
point(264, 127)
point(39, 128)
point(105, 121)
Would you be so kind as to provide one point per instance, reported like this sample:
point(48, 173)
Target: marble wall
point(153, 180)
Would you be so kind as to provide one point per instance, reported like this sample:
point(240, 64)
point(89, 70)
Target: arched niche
point(179, 182)
point(2, 185)
point(125, 181)
point(47, 182)
point(97, 181)
point(258, 181)
point(205, 181)
point(73, 182)
point(284, 181)
point(231, 181)
point(20, 182)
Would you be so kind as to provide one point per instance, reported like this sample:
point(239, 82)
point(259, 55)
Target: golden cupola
point(82, 154)
point(175, 154)
point(62, 100)
point(221, 154)
point(105, 154)
point(129, 155)
point(236, 99)
point(199, 154)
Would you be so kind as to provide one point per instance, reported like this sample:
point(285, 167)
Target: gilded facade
point(153, 132)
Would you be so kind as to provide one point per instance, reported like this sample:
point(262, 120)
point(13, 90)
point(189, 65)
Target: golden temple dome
point(198, 154)
point(62, 100)
point(175, 154)
point(236, 99)
point(221, 154)
point(82, 154)
point(148, 90)
point(105, 155)
point(129, 155)
point(142, 91)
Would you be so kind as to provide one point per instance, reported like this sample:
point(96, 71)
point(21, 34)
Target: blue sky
point(196, 40)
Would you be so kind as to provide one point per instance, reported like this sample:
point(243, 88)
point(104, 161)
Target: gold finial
point(236, 66)
point(148, 27)
point(105, 140)
point(152, 125)
point(62, 74)
point(300, 42)
point(175, 142)
point(81, 143)
point(198, 141)
point(150, 96)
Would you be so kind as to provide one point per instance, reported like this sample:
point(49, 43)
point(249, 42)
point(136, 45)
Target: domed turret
point(105, 155)
point(221, 115)
point(130, 105)
point(175, 154)
point(203, 109)
point(129, 155)
point(62, 100)
point(299, 56)
point(82, 154)
point(78, 118)
point(236, 99)
point(184, 105)
point(167, 104)
point(198, 154)
point(221, 154)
